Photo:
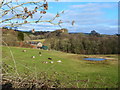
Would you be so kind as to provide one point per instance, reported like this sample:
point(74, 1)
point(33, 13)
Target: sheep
point(45, 62)
point(50, 58)
point(33, 56)
point(51, 62)
point(59, 61)
point(40, 54)
point(24, 50)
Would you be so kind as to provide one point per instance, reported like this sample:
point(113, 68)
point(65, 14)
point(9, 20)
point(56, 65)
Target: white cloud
point(92, 5)
point(91, 16)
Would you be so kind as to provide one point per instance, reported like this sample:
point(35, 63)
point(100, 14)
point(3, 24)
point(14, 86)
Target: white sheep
point(24, 50)
point(51, 62)
point(45, 62)
point(33, 56)
point(59, 61)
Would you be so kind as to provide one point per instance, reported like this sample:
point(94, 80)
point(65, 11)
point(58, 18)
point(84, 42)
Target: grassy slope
point(40, 40)
point(73, 71)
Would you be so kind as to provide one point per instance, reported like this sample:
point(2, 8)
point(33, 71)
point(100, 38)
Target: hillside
point(73, 71)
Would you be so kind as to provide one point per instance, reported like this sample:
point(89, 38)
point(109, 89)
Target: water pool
point(94, 59)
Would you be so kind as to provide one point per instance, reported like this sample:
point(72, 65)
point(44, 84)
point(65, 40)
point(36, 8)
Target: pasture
point(71, 72)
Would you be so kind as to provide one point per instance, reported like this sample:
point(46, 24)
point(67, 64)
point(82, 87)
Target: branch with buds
point(24, 13)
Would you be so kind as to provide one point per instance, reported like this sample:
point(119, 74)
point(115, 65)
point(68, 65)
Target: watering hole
point(94, 59)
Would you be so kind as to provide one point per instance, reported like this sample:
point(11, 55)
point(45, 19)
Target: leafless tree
point(21, 14)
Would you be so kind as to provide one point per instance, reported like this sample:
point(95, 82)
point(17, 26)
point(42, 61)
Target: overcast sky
point(99, 16)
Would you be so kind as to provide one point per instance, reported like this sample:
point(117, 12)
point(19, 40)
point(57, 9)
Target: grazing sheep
point(40, 53)
point(33, 56)
point(51, 62)
point(45, 62)
point(24, 50)
point(50, 58)
point(59, 61)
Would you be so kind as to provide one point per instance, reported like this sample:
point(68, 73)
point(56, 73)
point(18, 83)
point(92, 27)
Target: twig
point(77, 82)
point(12, 58)
point(17, 7)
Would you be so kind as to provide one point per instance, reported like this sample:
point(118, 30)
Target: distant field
point(40, 40)
point(73, 71)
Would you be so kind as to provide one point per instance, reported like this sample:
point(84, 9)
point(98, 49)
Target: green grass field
point(40, 40)
point(73, 71)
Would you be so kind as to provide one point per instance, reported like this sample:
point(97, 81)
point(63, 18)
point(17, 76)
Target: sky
point(99, 16)
point(70, 0)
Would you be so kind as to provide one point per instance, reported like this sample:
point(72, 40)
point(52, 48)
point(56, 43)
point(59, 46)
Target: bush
point(20, 36)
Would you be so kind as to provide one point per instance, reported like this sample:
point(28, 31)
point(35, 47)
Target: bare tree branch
point(17, 7)
point(24, 14)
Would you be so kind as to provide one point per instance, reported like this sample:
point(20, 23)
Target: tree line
point(85, 44)
point(77, 43)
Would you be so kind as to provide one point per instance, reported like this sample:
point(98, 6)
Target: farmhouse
point(37, 44)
